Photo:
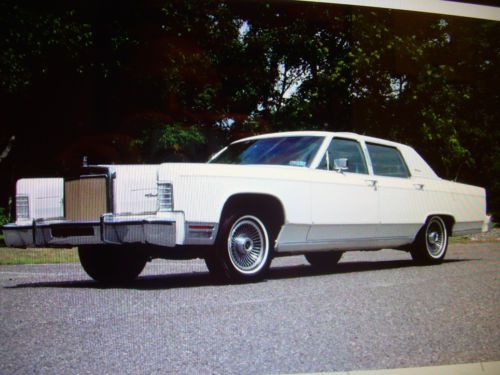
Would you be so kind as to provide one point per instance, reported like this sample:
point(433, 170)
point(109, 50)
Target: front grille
point(85, 198)
point(165, 197)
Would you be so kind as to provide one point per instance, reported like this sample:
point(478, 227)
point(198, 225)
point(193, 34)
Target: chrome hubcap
point(433, 238)
point(243, 245)
point(248, 245)
point(436, 238)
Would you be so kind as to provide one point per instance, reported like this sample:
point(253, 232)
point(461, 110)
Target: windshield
point(296, 151)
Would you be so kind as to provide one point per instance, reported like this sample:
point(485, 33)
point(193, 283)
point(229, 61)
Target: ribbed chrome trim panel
point(165, 196)
point(22, 207)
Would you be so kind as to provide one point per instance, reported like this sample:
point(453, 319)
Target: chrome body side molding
point(306, 238)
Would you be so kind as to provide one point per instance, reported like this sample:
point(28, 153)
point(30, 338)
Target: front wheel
point(431, 243)
point(243, 248)
point(112, 264)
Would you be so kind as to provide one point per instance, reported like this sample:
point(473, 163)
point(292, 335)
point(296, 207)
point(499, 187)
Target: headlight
point(165, 197)
point(22, 207)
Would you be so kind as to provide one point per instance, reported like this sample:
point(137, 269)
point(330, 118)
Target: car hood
point(168, 171)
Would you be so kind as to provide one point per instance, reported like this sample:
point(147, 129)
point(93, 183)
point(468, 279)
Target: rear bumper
point(108, 230)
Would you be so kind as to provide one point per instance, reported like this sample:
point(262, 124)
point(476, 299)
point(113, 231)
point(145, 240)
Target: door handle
point(372, 183)
point(151, 195)
point(419, 186)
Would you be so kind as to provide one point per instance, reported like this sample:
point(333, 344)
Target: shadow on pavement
point(201, 279)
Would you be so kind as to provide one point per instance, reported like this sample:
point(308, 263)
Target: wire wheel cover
point(248, 244)
point(435, 238)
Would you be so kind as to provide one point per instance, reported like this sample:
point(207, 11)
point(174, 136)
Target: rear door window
point(387, 161)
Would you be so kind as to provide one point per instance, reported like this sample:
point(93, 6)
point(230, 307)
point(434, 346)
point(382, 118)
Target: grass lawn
point(37, 256)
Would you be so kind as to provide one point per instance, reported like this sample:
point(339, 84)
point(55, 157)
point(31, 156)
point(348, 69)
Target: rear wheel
point(243, 247)
point(110, 264)
point(324, 260)
point(432, 242)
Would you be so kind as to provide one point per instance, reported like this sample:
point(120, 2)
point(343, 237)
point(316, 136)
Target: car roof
point(314, 133)
point(417, 165)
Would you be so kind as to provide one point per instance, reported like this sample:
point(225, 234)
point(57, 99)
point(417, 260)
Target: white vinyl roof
point(314, 133)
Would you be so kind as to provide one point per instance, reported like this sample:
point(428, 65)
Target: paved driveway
point(374, 310)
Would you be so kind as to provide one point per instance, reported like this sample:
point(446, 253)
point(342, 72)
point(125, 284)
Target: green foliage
point(163, 142)
point(176, 136)
point(181, 76)
point(4, 216)
point(31, 40)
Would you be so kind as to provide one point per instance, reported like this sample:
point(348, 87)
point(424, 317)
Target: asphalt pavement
point(374, 310)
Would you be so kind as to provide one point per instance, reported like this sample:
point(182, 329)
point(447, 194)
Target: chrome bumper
point(108, 230)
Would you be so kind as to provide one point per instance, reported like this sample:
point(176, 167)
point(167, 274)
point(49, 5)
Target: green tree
point(174, 80)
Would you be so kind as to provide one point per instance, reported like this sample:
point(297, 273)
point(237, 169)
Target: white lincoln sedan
point(313, 193)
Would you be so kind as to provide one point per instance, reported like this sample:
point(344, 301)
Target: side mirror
point(341, 164)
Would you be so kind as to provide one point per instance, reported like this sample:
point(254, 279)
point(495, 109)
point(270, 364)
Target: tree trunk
point(8, 148)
